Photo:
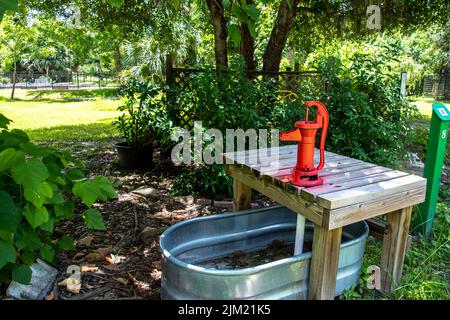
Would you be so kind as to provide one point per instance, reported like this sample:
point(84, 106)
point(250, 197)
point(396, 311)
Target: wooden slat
point(340, 166)
point(282, 193)
point(312, 193)
point(364, 210)
point(394, 248)
point(373, 191)
point(242, 196)
point(290, 163)
point(324, 263)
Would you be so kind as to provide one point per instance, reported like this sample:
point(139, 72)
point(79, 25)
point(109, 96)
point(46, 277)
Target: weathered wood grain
point(242, 195)
point(324, 263)
point(364, 210)
point(394, 247)
point(369, 192)
point(279, 194)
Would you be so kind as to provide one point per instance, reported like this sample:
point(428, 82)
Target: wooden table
point(353, 190)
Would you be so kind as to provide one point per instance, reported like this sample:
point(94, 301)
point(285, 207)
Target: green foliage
point(38, 190)
point(209, 181)
point(146, 120)
point(368, 117)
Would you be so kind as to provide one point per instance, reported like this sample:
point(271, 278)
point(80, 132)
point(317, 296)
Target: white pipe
point(299, 235)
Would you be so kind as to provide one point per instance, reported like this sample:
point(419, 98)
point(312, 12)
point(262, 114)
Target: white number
point(444, 134)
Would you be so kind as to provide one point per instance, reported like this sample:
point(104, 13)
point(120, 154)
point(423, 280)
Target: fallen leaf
point(112, 267)
point(156, 264)
point(50, 296)
point(95, 256)
point(104, 251)
point(72, 285)
point(122, 281)
point(86, 241)
point(88, 286)
point(78, 255)
point(89, 268)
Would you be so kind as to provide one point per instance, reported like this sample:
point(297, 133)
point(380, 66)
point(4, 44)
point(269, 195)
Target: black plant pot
point(134, 157)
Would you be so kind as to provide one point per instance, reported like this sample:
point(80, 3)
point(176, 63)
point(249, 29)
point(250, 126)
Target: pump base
point(305, 178)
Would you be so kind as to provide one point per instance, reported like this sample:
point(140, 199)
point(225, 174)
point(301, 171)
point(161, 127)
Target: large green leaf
point(64, 210)
point(9, 157)
point(27, 238)
point(40, 195)
point(35, 216)
point(94, 220)
point(4, 121)
point(239, 13)
point(92, 190)
point(235, 34)
point(9, 214)
point(9, 4)
point(7, 253)
point(30, 173)
point(116, 3)
point(48, 226)
point(251, 11)
point(22, 274)
point(66, 243)
point(47, 253)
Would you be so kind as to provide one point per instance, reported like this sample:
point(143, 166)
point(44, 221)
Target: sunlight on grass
point(62, 120)
point(424, 104)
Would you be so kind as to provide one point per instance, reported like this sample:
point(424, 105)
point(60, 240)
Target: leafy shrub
point(39, 188)
point(146, 119)
point(368, 118)
point(209, 181)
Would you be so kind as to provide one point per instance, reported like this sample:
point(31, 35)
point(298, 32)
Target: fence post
point(78, 81)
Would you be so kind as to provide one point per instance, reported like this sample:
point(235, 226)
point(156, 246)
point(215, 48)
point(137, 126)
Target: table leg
point(324, 263)
point(242, 196)
point(395, 241)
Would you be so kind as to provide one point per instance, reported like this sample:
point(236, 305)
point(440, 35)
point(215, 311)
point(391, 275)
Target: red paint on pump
point(304, 173)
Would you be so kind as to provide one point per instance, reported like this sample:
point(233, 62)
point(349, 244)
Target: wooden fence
point(437, 86)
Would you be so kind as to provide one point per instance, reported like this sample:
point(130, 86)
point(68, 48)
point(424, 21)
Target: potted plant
point(143, 123)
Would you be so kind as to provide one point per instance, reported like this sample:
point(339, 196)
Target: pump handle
point(322, 118)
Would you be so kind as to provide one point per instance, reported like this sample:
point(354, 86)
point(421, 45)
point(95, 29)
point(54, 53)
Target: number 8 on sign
point(444, 134)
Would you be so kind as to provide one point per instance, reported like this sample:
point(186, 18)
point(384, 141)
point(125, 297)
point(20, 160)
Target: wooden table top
point(350, 186)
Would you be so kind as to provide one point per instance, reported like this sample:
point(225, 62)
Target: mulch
point(123, 262)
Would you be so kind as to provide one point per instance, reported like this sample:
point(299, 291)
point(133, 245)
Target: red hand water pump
point(305, 174)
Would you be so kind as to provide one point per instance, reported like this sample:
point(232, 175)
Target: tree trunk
point(278, 37)
point(220, 32)
point(247, 47)
point(14, 79)
point(117, 58)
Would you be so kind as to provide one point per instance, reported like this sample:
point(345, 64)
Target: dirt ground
point(123, 262)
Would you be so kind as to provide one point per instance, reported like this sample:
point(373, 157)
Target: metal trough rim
point(243, 271)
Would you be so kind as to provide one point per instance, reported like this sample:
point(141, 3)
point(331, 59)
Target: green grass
point(424, 104)
point(52, 115)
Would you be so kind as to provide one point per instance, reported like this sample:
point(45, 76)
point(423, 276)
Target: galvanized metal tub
point(187, 245)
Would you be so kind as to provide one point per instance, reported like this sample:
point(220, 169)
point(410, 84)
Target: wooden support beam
point(324, 263)
point(242, 196)
point(394, 247)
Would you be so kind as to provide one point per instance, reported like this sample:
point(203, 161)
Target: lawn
point(424, 104)
point(81, 115)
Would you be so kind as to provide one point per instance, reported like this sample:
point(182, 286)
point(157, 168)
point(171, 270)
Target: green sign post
point(437, 141)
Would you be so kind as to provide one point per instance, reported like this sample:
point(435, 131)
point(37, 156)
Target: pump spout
point(291, 135)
